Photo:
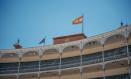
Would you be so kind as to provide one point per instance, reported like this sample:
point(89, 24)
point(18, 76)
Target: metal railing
point(66, 63)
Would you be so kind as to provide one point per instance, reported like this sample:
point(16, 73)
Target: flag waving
point(42, 41)
point(78, 20)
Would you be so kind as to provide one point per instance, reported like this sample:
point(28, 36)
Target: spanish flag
point(78, 20)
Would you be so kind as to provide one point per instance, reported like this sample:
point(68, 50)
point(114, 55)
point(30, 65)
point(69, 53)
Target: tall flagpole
point(83, 24)
point(45, 40)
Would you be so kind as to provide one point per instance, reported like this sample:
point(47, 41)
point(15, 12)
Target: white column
point(18, 68)
point(59, 74)
point(103, 64)
point(127, 46)
point(81, 73)
point(60, 54)
point(39, 67)
point(81, 69)
point(129, 63)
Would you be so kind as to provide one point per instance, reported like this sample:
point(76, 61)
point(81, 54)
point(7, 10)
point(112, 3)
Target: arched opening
point(50, 54)
point(50, 60)
point(114, 41)
point(92, 51)
point(92, 47)
point(70, 57)
point(9, 57)
point(30, 56)
point(29, 62)
point(9, 63)
point(71, 51)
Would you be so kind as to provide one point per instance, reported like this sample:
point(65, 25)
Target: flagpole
point(83, 24)
point(45, 40)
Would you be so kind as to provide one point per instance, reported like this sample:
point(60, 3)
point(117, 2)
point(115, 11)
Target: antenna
point(121, 23)
point(18, 40)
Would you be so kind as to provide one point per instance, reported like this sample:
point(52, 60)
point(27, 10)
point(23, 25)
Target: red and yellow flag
point(78, 20)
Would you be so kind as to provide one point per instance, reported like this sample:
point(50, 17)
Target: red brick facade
point(69, 38)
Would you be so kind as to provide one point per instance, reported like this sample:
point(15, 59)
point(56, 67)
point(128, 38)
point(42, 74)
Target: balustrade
point(53, 64)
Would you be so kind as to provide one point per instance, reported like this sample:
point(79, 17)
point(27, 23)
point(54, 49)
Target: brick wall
point(69, 38)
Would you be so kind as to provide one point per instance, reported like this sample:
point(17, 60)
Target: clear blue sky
point(32, 20)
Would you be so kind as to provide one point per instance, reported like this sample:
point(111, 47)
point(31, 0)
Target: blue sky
point(32, 20)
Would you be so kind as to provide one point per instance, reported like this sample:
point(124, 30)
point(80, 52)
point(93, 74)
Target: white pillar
point(39, 67)
point(81, 73)
point(18, 68)
point(60, 54)
point(81, 69)
point(129, 63)
point(127, 46)
point(103, 64)
point(59, 74)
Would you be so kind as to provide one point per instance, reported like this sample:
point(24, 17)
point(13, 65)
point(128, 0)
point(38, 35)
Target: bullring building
point(103, 56)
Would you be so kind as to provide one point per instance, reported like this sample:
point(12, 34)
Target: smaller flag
point(78, 20)
point(42, 41)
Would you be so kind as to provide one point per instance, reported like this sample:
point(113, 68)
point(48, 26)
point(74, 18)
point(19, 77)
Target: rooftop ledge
point(101, 37)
